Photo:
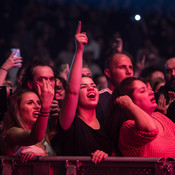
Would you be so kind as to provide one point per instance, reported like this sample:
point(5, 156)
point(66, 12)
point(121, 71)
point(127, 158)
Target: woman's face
point(89, 95)
point(143, 96)
point(29, 108)
point(59, 90)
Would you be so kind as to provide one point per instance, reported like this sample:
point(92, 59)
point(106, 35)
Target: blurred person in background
point(101, 81)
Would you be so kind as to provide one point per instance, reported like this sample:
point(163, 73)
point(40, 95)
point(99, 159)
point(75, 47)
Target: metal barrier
point(84, 166)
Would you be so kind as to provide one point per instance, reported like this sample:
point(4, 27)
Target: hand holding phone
point(17, 54)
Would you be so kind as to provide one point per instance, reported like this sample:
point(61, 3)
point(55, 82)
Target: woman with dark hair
point(144, 133)
point(60, 88)
point(79, 130)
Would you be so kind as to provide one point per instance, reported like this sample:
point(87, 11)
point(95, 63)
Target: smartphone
point(18, 54)
point(3, 99)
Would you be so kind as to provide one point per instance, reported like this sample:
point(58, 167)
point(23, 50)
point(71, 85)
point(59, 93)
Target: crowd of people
point(70, 108)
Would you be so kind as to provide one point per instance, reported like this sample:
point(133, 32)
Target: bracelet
point(4, 69)
point(44, 114)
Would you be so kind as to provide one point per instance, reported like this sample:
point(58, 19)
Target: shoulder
point(105, 94)
point(105, 91)
point(14, 133)
point(162, 118)
point(14, 130)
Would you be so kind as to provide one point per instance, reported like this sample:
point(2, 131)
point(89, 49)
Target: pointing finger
point(79, 27)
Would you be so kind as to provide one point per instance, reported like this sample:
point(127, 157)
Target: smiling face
point(29, 108)
point(143, 96)
point(89, 95)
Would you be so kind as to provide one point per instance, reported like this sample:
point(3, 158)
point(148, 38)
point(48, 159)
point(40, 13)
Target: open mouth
point(35, 114)
point(91, 95)
point(153, 99)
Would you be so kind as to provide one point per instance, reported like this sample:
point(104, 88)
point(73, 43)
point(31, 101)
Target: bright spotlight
point(137, 17)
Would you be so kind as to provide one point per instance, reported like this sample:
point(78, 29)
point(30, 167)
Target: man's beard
point(172, 84)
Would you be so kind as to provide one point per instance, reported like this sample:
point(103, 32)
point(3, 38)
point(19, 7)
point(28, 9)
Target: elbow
point(73, 92)
point(73, 89)
point(64, 126)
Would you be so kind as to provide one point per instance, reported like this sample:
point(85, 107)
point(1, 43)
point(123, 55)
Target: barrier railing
point(84, 166)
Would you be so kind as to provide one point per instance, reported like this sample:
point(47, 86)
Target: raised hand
point(171, 96)
point(123, 101)
point(46, 95)
point(161, 104)
point(55, 109)
point(81, 38)
point(12, 62)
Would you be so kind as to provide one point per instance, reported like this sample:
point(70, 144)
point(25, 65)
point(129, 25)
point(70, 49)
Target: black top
point(79, 140)
point(102, 107)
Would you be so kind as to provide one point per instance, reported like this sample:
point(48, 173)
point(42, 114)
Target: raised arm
point(143, 120)
point(69, 107)
point(8, 64)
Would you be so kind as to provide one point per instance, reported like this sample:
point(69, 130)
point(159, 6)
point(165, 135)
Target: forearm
point(74, 77)
point(3, 74)
point(143, 121)
point(39, 128)
point(68, 111)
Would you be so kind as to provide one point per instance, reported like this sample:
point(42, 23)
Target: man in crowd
point(118, 67)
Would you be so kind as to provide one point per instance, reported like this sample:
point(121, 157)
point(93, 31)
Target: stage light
point(137, 17)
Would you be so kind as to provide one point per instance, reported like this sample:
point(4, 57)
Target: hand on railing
point(98, 156)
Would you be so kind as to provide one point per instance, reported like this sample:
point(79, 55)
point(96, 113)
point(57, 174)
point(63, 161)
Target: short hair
point(109, 59)
point(29, 71)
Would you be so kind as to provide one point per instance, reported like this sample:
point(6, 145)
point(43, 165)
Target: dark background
point(43, 28)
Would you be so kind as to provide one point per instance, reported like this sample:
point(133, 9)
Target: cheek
point(82, 95)
point(142, 102)
point(138, 101)
point(23, 112)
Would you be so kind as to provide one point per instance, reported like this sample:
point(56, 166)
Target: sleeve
point(131, 137)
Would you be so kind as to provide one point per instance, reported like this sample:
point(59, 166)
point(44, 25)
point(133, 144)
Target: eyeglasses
point(59, 88)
